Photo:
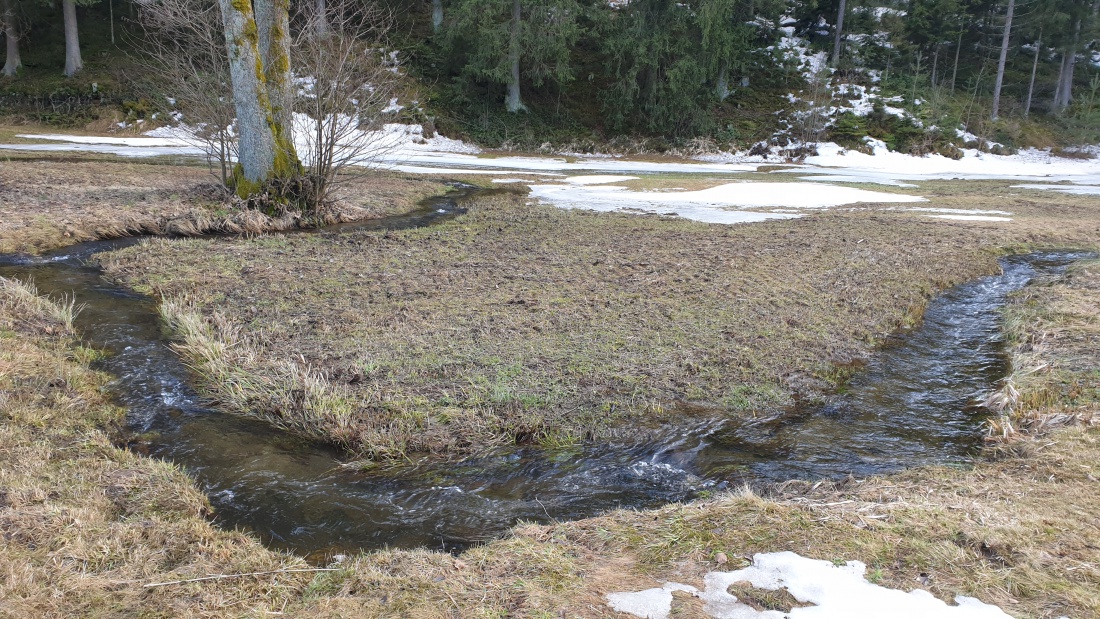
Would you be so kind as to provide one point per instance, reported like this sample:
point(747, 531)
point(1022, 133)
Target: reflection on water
point(910, 405)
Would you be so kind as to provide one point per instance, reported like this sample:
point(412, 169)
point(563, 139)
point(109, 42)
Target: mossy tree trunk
point(273, 28)
point(266, 149)
point(73, 62)
point(12, 63)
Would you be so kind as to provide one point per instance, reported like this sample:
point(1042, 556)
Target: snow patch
point(848, 178)
point(954, 211)
point(719, 204)
point(1027, 164)
point(144, 142)
point(1077, 190)
point(836, 592)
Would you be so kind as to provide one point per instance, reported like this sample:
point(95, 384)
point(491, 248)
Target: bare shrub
point(185, 55)
point(347, 83)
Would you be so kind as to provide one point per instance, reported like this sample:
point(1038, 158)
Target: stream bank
point(293, 495)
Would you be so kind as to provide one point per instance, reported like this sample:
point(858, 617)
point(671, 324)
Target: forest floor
point(615, 311)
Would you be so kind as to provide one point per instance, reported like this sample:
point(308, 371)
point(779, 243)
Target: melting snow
point(1078, 190)
point(404, 147)
point(143, 142)
point(835, 592)
point(955, 211)
point(714, 205)
point(848, 178)
point(1028, 164)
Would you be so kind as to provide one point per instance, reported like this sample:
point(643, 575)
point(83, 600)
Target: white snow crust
point(721, 204)
point(1079, 190)
point(589, 180)
point(834, 592)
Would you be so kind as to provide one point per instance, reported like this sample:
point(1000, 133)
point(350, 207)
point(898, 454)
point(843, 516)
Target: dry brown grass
point(50, 201)
point(83, 525)
point(521, 323)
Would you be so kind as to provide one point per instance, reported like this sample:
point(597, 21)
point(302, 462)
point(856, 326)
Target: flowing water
point(912, 404)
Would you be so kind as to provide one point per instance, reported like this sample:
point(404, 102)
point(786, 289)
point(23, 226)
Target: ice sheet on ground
point(714, 205)
point(835, 592)
point(1077, 190)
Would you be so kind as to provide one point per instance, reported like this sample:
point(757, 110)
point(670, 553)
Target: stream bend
point(911, 405)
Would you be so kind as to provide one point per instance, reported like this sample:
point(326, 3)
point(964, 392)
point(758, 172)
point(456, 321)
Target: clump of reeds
point(23, 300)
point(287, 394)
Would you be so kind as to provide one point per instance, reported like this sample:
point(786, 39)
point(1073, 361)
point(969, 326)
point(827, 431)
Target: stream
point(912, 404)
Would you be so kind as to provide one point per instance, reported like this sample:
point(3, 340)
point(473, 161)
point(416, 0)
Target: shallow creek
point(912, 404)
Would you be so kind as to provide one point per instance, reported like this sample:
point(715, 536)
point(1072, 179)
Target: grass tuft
point(22, 300)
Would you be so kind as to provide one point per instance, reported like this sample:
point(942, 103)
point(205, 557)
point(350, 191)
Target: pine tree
point(510, 40)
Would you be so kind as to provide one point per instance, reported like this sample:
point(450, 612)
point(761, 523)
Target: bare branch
point(347, 87)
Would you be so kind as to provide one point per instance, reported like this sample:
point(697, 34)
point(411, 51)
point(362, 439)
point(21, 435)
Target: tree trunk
point(73, 63)
point(1034, 68)
point(955, 69)
point(839, 31)
point(1004, 58)
point(1067, 90)
point(322, 27)
point(12, 63)
point(512, 101)
point(935, 64)
point(1057, 103)
point(724, 81)
point(916, 77)
point(1063, 93)
point(256, 150)
point(437, 15)
point(273, 28)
